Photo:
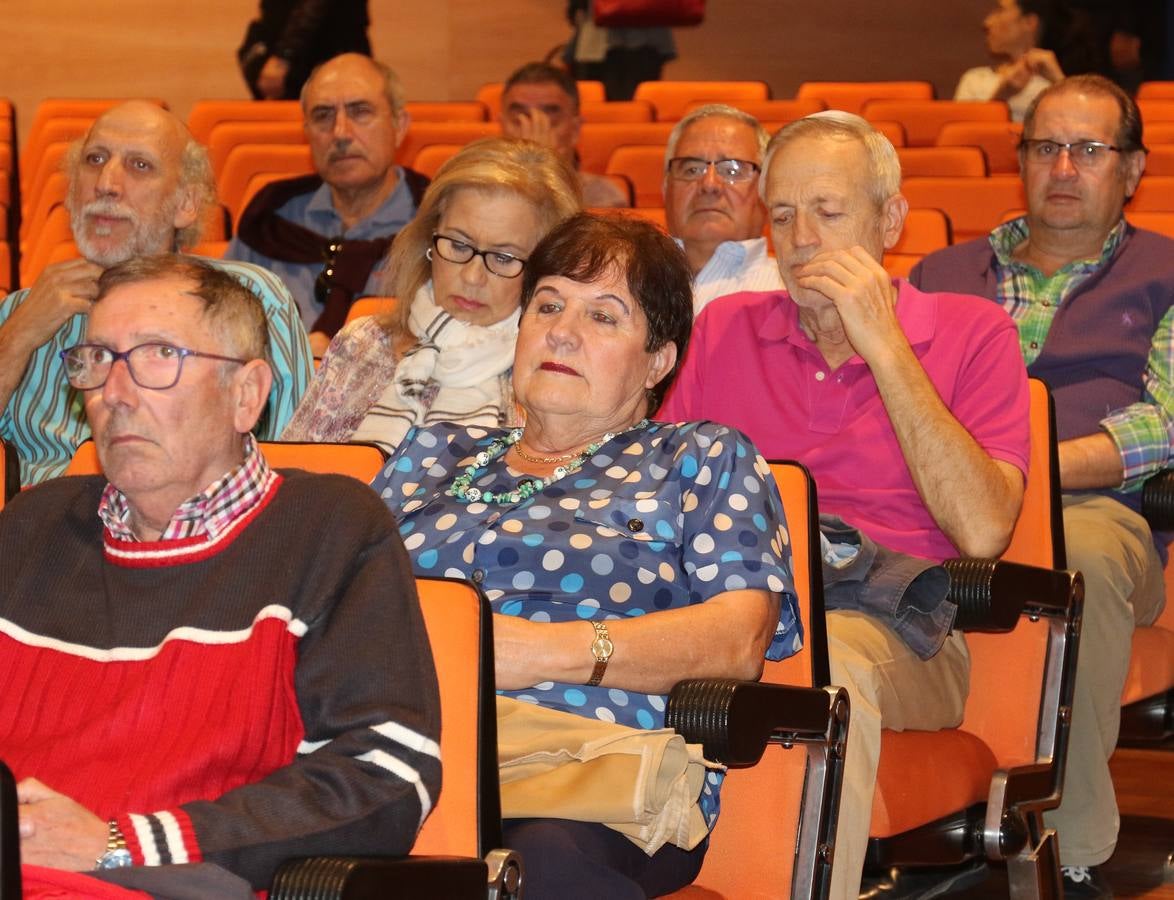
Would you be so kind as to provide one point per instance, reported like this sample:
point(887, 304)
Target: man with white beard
point(139, 185)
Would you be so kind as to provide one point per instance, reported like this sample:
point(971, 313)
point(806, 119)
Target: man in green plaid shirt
point(1092, 297)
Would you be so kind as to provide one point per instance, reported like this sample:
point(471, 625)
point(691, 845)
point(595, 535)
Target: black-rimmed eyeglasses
point(155, 366)
point(503, 265)
point(1084, 154)
point(731, 171)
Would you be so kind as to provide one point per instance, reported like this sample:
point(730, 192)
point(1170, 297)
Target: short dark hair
point(545, 73)
point(589, 246)
point(233, 311)
point(1129, 128)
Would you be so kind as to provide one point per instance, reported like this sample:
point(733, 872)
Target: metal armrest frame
point(1157, 500)
point(735, 720)
point(374, 878)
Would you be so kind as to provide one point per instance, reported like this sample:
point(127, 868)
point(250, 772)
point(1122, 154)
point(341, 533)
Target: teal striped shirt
point(45, 419)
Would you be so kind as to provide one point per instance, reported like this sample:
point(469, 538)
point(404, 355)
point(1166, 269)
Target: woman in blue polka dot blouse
point(619, 555)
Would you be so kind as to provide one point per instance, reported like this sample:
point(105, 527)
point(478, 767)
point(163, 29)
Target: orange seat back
point(761, 805)
point(227, 135)
point(597, 141)
point(1161, 222)
point(246, 160)
point(616, 111)
point(1155, 193)
point(923, 119)
point(925, 231)
point(490, 96)
point(974, 205)
point(457, 618)
point(429, 160)
point(360, 461)
point(51, 163)
point(207, 114)
point(670, 99)
point(371, 306)
point(424, 134)
point(998, 140)
point(447, 111)
point(851, 96)
point(1156, 110)
point(52, 131)
point(954, 162)
point(54, 232)
point(643, 167)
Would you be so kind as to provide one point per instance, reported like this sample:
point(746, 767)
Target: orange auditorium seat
point(770, 110)
point(894, 131)
point(424, 134)
point(490, 96)
point(446, 110)
point(1156, 111)
point(207, 114)
point(429, 160)
point(670, 99)
point(247, 160)
point(227, 135)
point(974, 205)
point(923, 119)
point(50, 164)
point(998, 140)
point(1156, 90)
point(851, 96)
point(51, 194)
point(211, 249)
point(980, 789)
point(52, 132)
point(1159, 133)
point(643, 167)
point(1160, 160)
point(1155, 193)
point(1161, 222)
point(925, 231)
point(370, 306)
point(616, 111)
point(957, 162)
point(598, 140)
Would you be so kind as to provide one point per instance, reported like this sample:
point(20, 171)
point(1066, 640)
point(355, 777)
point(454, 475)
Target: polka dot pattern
point(657, 519)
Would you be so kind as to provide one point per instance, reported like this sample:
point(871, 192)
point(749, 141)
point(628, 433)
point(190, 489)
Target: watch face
point(114, 859)
point(602, 648)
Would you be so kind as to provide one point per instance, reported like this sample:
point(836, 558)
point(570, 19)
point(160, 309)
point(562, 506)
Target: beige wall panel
point(445, 49)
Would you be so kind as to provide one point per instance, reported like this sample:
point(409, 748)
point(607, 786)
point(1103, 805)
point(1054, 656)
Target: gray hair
point(842, 126)
point(393, 88)
point(715, 110)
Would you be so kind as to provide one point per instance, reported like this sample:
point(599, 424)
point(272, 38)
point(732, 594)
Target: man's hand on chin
point(56, 831)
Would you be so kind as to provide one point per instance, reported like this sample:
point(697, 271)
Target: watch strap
point(602, 649)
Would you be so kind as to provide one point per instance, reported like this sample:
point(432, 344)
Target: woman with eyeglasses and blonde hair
point(445, 353)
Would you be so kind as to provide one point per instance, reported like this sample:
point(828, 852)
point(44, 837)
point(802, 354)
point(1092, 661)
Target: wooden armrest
point(375, 878)
point(735, 720)
point(992, 594)
point(1157, 500)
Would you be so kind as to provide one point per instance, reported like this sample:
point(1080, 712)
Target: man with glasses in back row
point(1092, 298)
point(711, 202)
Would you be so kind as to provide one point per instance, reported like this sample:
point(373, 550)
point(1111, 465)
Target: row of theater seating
point(252, 144)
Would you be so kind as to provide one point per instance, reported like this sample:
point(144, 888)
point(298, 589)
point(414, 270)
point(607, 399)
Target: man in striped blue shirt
point(139, 184)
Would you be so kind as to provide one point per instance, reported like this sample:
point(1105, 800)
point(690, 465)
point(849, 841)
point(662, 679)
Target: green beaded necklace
point(528, 486)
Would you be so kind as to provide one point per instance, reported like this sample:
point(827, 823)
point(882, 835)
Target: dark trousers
point(585, 861)
point(622, 69)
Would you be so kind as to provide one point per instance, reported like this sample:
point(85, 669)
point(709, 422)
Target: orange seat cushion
point(921, 789)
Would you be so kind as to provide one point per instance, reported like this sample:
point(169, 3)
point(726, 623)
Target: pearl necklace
point(530, 485)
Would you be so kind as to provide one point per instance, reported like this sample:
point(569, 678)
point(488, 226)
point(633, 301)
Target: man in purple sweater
point(1092, 298)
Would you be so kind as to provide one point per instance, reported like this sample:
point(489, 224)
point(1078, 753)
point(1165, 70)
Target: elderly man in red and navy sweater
point(203, 659)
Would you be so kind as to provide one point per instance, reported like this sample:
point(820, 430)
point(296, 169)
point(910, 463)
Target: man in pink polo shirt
point(910, 409)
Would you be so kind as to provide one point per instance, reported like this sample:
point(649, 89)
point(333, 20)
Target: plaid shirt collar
point(1006, 237)
point(209, 512)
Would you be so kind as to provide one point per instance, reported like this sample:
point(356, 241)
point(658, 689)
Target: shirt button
point(1033, 345)
point(635, 525)
point(1046, 304)
point(820, 376)
point(478, 576)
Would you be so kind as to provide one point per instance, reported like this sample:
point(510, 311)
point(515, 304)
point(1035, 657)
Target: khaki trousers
point(1123, 587)
point(891, 687)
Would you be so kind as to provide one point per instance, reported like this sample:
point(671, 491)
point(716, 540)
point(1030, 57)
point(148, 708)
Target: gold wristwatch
point(602, 649)
point(116, 855)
